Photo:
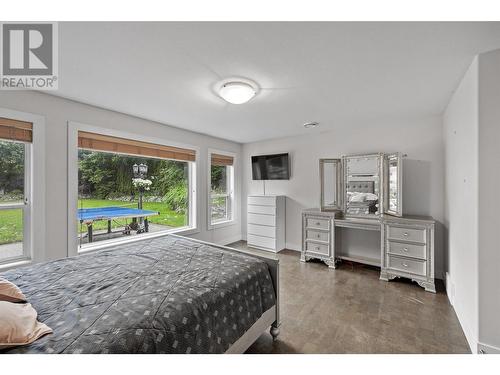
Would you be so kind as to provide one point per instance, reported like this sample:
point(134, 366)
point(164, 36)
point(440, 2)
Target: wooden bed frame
point(270, 318)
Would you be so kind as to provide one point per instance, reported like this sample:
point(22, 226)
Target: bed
point(361, 199)
point(168, 294)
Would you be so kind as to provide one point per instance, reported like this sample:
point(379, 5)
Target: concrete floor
point(349, 310)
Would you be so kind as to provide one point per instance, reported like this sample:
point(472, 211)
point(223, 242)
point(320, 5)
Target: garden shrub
point(177, 198)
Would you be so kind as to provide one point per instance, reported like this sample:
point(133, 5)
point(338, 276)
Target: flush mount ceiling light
point(309, 125)
point(237, 91)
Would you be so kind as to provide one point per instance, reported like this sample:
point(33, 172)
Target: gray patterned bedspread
point(163, 295)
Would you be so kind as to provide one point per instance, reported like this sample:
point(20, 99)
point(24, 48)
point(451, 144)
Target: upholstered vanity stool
point(365, 192)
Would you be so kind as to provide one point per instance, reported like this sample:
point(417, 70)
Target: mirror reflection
point(362, 186)
point(329, 185)
point(393, 185)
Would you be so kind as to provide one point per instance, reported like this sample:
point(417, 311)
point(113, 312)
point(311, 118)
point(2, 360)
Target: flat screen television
point(270, 167)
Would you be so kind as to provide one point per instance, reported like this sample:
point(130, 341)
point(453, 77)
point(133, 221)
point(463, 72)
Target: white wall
point(472, 134)
point(423, 174)
point(58, 112)
point(460, 129)
point(489, 205)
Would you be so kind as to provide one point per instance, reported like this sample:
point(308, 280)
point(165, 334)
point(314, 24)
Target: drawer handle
point(405, 234)
point(319, 236)
point(318, 223)
point(404, 265)
point(317, 247)
point(405, 249)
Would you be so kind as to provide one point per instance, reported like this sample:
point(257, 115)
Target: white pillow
point(357, 197)
point(371, 197)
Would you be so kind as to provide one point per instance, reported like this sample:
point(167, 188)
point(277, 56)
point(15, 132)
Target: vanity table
point(364, 192)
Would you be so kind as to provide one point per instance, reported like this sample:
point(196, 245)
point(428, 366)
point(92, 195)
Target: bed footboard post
point(274, 331)
point(275, 274)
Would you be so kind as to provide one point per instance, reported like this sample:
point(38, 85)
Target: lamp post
point(140, 171)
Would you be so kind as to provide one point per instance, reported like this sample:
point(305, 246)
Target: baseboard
point(450, 288)
point(487, 349)
point(292, 246)
point(229, 240)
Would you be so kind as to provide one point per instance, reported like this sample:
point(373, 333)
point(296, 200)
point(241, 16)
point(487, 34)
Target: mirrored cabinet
point(365, 192)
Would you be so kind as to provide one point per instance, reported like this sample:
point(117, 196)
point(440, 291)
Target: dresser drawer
point(317, 235)
point(312, 222)
point(266, 242)
point(262, 219)
point(317, 248)
point(261, 230)
point(266, 210)
point(406, 234)
point(407, 250)
point(262, 201)
point(413, 266)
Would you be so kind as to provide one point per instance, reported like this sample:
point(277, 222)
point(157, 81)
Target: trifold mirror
point(362, 185)
point(330, 171)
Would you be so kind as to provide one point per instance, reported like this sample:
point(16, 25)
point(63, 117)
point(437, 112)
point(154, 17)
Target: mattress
point(164, 295)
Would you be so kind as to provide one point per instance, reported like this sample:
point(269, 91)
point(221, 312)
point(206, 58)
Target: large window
point(15, 205)
point(128, 188)
point(221, 200)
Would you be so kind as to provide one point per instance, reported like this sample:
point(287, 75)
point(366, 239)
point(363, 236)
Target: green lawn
point(11, 227)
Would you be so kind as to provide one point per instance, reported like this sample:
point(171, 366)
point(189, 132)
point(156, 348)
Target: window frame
point(73, 245)
point(33, 206)
point(231, 185)
point(25, 206)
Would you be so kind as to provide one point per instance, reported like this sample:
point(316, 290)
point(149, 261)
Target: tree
point(107, 175)
point(11, 167)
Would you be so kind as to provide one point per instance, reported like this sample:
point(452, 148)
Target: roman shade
point(222, 160)
point(15, 130)
point(106, 143)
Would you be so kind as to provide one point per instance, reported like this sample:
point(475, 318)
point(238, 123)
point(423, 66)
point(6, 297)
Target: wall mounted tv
point(270, 167)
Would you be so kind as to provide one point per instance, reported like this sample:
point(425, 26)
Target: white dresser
point(266, 222)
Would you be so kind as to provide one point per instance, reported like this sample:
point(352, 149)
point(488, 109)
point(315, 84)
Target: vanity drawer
point(406, 234)
point(266, 210)
point(262, 201)
point(413, 266)
point(266, 242)
point(262, 219)
point(317, 248)
point(312, 222)
point(317, 235)
point(414, 251)
point(261, 230)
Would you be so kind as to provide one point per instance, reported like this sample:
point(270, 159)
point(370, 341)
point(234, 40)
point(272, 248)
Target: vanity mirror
point(362, 185)
point(330, 171)
point(392, 171)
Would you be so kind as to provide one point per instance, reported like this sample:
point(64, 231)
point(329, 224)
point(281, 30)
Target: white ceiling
point(340, 74)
